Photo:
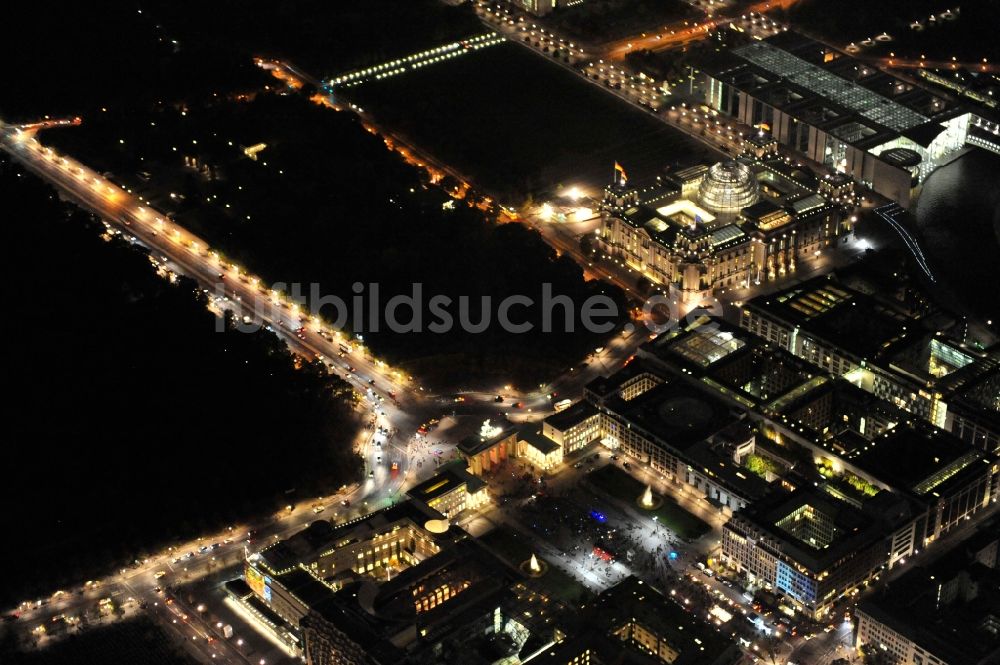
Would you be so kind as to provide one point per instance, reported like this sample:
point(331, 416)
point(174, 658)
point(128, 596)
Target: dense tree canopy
point(325, 203)
point(132, 421)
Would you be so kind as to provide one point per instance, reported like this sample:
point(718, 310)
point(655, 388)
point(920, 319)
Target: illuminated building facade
point(945, 613)
point(488, 449)
point(540, 446)
point(379, 544)
point(368, 592)
point(540, 7)
point(815, 548)
point(537, 449)
point(884, 132)
point(573, 428)
point(426, 614)
point(451, 490)
point(885, 351)
point(733, 224)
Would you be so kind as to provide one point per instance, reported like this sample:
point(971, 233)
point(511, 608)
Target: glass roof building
point(866, 103)
point(728, 187)
point(838, 111)
point(728, 225)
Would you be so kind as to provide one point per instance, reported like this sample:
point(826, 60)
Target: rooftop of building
point(735, 363)
point(320, 536)
point(305, 586)
point(489, 434)
point(675, 413)
point(386, 613)
point(470, 644)
point(686, 175)
point(847, 528)
point(674, 219)
point(844, 398)
point(761, 139)
point(712, 460)
point(921, 460)
point(590, 647)
point(458, 566)
point(449, 478)
point(238, 588)
point(695, 641)
point(572, 416)
point(531, 433)
point(286, 554)
point(838, 315)
point(761, 210)
point(700, 345)
point(724, 190)
point(950, 365)
point(956, 629)
point(659, 189)
point(605, 387)
point(979, 397)
point(852, 100)
point(354, 626)
point(764, 375)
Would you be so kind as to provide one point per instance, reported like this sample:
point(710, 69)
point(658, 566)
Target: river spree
point(958, 216)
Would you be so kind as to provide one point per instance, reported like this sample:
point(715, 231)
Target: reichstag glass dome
point(728, 187)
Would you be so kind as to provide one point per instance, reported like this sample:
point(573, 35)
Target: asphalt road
point(393, 401)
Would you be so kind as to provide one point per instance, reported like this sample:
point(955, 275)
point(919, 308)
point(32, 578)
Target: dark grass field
point(127, 642)
point(514, 122)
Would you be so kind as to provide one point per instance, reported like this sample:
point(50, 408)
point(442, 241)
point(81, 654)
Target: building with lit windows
point(906, 359)
point(540, 7)
point(680, 431)
point(945, 613)
point(398, 586)
point(537, 449)
point(628, 383)
point(879, 490)
point(542, 445)
point(633, 623)
point(732, 224)
point(379, 544)
point(415, 617)
point(815, 548)
point(451, 490)
point(875, 485)
point(573, 428)
point(884, 132)
point(952, 480)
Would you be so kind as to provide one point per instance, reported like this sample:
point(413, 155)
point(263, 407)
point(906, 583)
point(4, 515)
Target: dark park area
point(138, 423)
point(361, 215)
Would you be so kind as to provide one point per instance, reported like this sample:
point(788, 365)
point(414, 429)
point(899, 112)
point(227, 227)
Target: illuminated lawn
point(620, 485)
point(515, 548)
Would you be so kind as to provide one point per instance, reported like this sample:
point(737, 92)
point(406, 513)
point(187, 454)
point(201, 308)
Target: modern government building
point(885, 132)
